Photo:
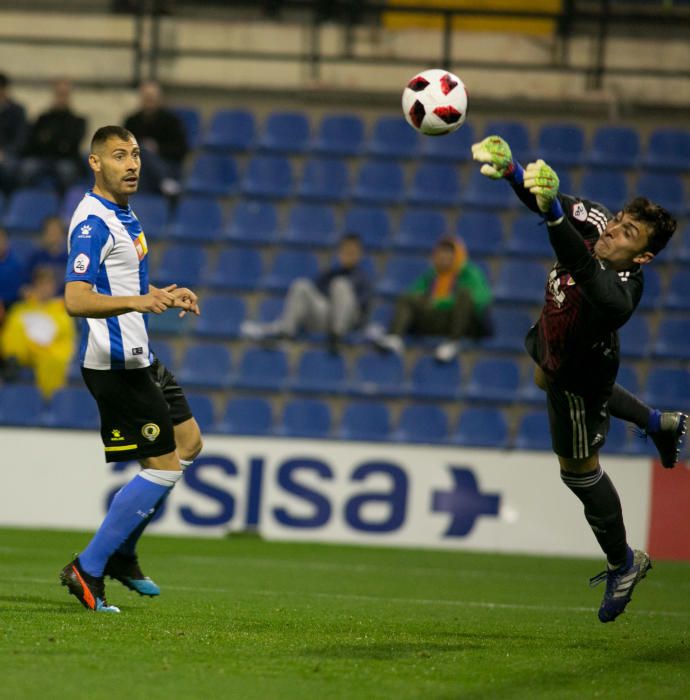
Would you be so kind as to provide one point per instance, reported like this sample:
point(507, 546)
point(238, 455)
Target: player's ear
point(644, 258)
point(94, 162)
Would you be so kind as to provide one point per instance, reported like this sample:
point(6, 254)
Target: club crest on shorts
point(579, 212)
point(151, 431)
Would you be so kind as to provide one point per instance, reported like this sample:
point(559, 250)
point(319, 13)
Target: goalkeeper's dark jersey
point(575, 340)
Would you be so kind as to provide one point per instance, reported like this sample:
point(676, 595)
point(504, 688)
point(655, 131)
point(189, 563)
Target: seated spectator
point(12, 273)
point(12, 135)
point(163, 141)
point(52, 250)
point(450, 299)
point(38, 333)
point(52, 146)
point(336, 302)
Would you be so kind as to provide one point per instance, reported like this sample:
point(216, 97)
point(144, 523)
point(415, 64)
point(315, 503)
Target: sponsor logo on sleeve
point(84, 231)
point(81, 263)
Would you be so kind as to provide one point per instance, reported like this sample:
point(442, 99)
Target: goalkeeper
point(592, 290)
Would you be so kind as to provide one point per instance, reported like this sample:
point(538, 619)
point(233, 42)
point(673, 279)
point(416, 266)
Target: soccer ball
point(435, 102)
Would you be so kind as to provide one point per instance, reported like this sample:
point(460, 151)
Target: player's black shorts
point(177, 402)
point(579, 424)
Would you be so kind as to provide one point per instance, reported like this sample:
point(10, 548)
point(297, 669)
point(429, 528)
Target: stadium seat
point(247, 416)
point(425, 423)
point(285, 132)
point(198, 219)
point(378, 374)
point(533, 432)
point(235, 268)
point(608, 187)
point(493, 380)
point(202, 410)
point(668, 388)
point(27, 209)
point(520, 282)
point(206, 365)
point(634, 337)
point(627, 378)
point(651, 295)
point(287, 266)
point(528, 392)
point(681, 245)
point(379, 182)
point(23, 248)
point(483, 193)
point(371, 224)
point(560, 145)
point(614, 147)
point(252, 222)
point(529, 237)
point(191, 121)
point(481, 427)
point(482, 233)
point(74, 408)
point(435, 185)
point(515, 133)
point(678, 294)
point(221, 317)
point(270, 309)
point(305, 418)
point(20, 404)
point(419, 230)
point(319, 372)
point(310, 226)
point(399, 273)
point(180, 264)
point(230, 130)
point(69, 203)
point(168, 324)
point(663, 188)
point(213, 175)
point(339, 135)
point(673, 339)
point(268, 177)
point(324, 180)
point(365, 420)
point(510, 328)
point(165, 353)
point(455, 147)
point(153, 213)
point(668, 149)
point(262, 368)
point(431, 379)
point(392, 137)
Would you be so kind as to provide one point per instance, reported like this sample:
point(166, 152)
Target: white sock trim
point(162, 477)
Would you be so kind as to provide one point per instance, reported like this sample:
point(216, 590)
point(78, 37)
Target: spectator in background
point(161, 136)
point(52, 250)
point(451, 299)
point(12, 274)
point(52, 146)
point(336, 302)
point(12, 135)
point(38, 333)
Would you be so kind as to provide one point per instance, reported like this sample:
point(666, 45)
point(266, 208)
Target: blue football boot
point(126, 570)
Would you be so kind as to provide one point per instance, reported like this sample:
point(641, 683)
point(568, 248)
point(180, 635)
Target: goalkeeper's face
point(624, 242)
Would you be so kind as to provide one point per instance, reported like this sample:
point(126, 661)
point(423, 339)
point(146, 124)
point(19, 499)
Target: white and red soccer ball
point(435, 102)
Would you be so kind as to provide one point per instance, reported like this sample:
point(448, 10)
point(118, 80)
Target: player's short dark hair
point(351, 237)
point(446, 242)
point(662, 224)
point(4, 80)
point(106, 132)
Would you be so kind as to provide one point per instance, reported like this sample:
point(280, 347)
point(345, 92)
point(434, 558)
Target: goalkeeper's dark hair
point(662, 224)
point(105, 132)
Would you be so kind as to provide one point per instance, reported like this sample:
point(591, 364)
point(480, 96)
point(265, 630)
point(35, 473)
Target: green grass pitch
point(244, 618)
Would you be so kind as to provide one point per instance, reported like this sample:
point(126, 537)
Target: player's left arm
point(185, 299)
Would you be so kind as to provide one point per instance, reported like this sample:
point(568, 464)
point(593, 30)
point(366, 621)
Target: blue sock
point(654, 421)
point(132, 503)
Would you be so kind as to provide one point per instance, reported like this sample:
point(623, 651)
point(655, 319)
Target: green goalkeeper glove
point(541, 180)
point(495, 153)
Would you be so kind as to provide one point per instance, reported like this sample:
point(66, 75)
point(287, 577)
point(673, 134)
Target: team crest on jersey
point(151, 431)
point(140, 246)
point(81, 263)
point(579, 212)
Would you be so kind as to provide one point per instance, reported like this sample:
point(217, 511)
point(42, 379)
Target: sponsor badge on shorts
point(151, 431)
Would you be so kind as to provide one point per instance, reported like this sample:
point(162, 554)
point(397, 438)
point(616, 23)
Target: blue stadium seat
point(382, 314)
point(515, 133)
point(455, 147)
point(153, 213)
point(377, 374)
point(72, 408)
point(529, 238)
point(221, 317)
point(191, 121)
point(606, 186)
point(678, 294)
point(668, 388)
point(435, 185)
point(483, 193)
point(634, 337)
point(180, 264)
point(651, 295)
point(319, 372)
point(252, 222)
point(533, 432)
point(202, 410)
point(206, 365)
point(165, 353)
point(339, 135)
point(392, 137)
point(399, 273)
point(235, 268)
point(419, 230)
point(168, 323)
point(372, 224)
point(197, 218)
point(627, 378)
point(481, 427)
point(493, 380)
point(230, 130)
point(268, 177)
point(247, 416)
point(365, 420)
point(663, 188)
point(520, 282)
point(306, 418)
point(262, 368)
point(287, 266)
point(27, 208)
point(673, 339)
point(668, 149)
point(614, 147)
point(482, 233)
point(426, 423)
point(379, 182)
point(72, 197)
point(20, 404)
point(431, 379)
point(324, 180)
point(561, 145)
point(270, 309)
point(510, 327)
point(23, 248)
point(285, 132)
point(212, 174)
point(528, 392)
point(310, 225)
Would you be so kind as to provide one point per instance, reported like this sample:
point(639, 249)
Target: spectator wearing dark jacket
point(12, 135)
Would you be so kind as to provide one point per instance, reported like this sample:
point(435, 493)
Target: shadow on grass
point(19, 603)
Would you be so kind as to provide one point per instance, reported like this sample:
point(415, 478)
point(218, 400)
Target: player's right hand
point(156, 301)
point(496, 155)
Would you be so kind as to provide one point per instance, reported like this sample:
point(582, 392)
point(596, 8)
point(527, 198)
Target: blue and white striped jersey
point(107, 249)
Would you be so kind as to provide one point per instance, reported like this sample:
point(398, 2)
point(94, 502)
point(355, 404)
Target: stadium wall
point(358, 493)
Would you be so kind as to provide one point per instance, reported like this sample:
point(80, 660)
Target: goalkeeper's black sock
point(627, 407)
